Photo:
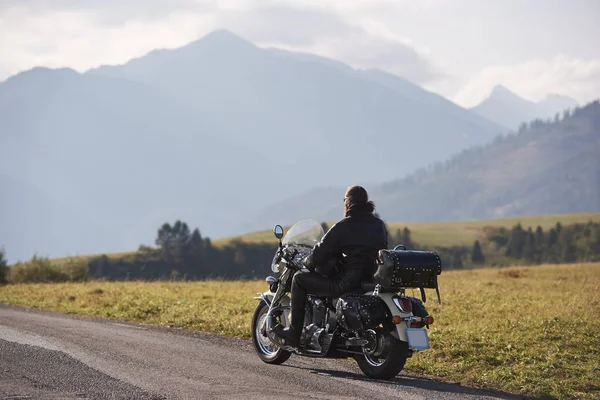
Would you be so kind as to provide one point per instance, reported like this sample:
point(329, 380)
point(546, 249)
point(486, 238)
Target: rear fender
point(400, 331)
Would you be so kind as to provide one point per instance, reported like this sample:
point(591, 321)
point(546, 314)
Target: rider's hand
point(305, 262)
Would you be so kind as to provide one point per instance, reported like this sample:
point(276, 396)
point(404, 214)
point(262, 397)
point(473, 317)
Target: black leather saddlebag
point(360, 311)
point(401, 268)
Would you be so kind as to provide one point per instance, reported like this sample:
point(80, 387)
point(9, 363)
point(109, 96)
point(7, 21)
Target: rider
point(350, 246)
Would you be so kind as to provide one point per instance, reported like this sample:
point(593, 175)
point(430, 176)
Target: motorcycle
point(377, 325)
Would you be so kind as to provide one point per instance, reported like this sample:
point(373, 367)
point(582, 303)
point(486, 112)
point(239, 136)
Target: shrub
point(41, 269)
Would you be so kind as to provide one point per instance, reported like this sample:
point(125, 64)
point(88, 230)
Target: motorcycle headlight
point(275, 267)
point(275, 264)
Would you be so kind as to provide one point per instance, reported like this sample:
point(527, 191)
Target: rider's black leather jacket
point(358, 236)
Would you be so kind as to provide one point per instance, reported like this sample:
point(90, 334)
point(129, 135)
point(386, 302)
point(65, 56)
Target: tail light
point(403, 303)
point(414, 325)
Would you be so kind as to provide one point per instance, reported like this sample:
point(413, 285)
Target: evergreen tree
point(568, 253)
point(567, 245)
point(399, 238)
point(3, 268)
point(324, 226)
point(174, 241)
point(552, 237)
point(164, 237)
point(529, 246)
point(197, 247)
point(477, 256)
point(457, 262)
point(406, 239)
point(516, 243)
point(539, 235)
point(522, 127)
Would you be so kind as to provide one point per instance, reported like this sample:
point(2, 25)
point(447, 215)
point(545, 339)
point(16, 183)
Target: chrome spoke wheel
point(266, 345)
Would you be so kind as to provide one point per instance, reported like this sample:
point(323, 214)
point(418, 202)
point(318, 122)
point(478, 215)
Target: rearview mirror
point(278, 231)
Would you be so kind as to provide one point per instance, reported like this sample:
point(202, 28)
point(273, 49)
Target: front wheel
point(387, 364)
point(268, 351)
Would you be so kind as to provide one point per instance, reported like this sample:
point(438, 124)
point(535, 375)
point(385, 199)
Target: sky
point(460, 49)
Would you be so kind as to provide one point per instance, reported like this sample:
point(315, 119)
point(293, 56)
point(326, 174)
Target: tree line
point(561, 244)
point(184, 254)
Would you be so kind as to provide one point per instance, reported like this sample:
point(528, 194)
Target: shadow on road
point(415, 382)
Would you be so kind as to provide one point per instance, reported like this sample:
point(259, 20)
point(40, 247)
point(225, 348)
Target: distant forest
point(182, 254)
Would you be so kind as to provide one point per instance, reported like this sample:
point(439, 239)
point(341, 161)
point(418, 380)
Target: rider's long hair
point(357, 201)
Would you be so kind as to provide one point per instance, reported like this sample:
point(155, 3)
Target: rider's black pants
point(305, 282)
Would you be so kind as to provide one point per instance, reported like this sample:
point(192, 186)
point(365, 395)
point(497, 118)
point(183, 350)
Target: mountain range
point(507, 109)
point(547, 168)
point(211, 133)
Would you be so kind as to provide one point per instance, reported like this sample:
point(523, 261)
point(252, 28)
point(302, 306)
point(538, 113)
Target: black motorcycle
point(378, 325)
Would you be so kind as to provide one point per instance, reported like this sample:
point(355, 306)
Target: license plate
point(417, 338)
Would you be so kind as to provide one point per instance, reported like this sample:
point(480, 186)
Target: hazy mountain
point(127, 155)
point(28, 216)
point(547, 168)
point(209, 133)
point(506, 108)
point(555, 103)
point(318, 107)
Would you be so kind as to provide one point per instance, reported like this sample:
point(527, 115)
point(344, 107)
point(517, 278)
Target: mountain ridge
point(560, 158)
point(509, 109)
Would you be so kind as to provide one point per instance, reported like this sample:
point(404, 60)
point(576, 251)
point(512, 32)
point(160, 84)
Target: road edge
point(247, 342)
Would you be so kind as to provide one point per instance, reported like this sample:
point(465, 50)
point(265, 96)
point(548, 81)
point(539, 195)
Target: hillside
point(506, 108)
point(548, 168)
point(209, 133)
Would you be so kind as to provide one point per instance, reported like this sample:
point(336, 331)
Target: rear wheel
point(268, 351)
point(385, 363)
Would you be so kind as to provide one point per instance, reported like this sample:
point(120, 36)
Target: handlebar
point(288, 257)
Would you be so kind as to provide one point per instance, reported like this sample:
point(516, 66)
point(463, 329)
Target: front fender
point(267, 298)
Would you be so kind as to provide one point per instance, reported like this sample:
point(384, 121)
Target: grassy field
point(532, 330)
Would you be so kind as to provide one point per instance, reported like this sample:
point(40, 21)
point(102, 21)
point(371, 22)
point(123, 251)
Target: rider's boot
point(291, 335)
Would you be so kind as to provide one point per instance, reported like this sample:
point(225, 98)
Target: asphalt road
point(45, 355)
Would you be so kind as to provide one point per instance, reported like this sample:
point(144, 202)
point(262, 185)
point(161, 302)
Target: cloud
point(534, 80)
point(84, 34)
point(81, 39)
point(112, 11)
point(293, 27)
point(362, 43)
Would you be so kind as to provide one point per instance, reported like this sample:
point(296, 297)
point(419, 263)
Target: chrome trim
point(398, 304)
point(270, 280)
point(261, 296)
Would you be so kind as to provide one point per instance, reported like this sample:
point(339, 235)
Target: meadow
point(530, 330)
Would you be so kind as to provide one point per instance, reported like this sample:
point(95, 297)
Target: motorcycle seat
point(369, 286)
point(365, 286)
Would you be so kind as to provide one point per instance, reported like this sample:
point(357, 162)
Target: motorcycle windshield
point(306, 233)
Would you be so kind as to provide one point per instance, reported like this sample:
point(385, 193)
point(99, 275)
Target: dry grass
point(532, 330)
